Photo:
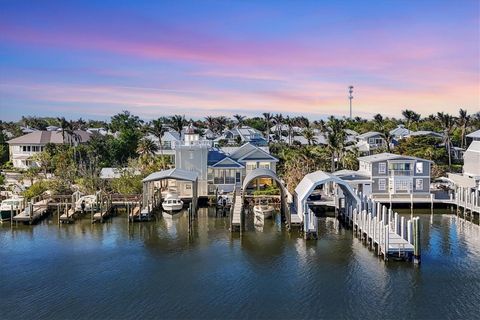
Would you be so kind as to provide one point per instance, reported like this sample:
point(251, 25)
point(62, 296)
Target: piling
point(416, 243)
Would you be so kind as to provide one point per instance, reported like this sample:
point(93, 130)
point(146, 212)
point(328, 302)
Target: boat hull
point(265, 213)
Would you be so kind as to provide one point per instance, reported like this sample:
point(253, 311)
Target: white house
point(22, 149)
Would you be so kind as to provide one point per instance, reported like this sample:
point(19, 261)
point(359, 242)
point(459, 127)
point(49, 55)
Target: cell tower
point(350, 97)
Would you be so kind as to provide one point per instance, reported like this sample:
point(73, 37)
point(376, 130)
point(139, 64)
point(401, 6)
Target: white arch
point(311, 181)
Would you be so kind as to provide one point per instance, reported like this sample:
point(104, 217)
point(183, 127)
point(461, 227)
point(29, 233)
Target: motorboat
point(90, 203)
point(263, 210)
point(16, 204)
point(172, 203)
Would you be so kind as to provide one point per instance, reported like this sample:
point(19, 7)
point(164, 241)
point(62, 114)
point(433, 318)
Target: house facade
point(220, 170)
point(393, 174)
point(23, 149)
point(369, 142)
point(241, 135)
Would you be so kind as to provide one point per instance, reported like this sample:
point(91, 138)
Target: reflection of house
point(240, 135)
point(220, 169)
point(396, 174)
point(23, 148)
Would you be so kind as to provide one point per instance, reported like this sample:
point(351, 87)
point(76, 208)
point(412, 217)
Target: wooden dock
point(33, 212)
point(236, 219)
point(69, 216)
point(384, 230)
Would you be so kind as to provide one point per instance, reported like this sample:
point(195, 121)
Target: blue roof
point(214, 156)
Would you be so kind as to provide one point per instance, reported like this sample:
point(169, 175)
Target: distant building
point(23, 148)
point(369, 142)
point(241, 135)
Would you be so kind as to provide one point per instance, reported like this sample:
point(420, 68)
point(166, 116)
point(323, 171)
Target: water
point(154, 270)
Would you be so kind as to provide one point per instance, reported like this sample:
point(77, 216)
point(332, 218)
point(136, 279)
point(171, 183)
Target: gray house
point(369, 142)
point(393, 174)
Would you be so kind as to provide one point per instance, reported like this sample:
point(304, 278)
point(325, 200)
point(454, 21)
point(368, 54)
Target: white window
point(382, 168)
point(382, 185)
point(418, 184)
point(264, 165)
point(419, 168)
point(251, 165)
point(191, 155)
point(402, 185)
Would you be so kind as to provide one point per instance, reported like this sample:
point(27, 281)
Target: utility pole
point(350, 97)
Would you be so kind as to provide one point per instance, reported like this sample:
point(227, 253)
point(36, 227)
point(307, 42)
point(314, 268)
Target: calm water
point(154, 270)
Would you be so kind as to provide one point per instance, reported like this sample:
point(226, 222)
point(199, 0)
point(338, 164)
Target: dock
point(236, 219)
point(384, 231)
point(33, 212)
point(69, 216)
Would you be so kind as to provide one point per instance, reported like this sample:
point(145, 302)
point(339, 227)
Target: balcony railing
point(401, 173)
point(226, 180)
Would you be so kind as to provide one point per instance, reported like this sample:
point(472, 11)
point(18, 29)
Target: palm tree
point(221, 123)
point(268, 121)
point(309, 135)
point(178, 122)
point(381, 127)
point(278, 119)
point(158, 129)
point(65, 126)
point(289, 123)
point(335, 134)
point(448, 122)
point(146, 147)
point(240, 119)
point(411, 117)
point(463, 121)
point(210, 122)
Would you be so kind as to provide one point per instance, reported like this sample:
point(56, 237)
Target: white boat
point(17, 204)
point(172, 203)
point(263, 210)
point(90, 202)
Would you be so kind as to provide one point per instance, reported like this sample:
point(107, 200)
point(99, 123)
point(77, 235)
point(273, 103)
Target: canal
point(156, 270)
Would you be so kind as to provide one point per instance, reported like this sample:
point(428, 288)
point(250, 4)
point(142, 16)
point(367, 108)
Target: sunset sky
point(95, 58)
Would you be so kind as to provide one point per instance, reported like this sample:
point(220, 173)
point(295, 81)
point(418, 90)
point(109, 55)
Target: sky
point(93, 59)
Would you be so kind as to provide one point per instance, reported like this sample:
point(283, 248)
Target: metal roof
point(43, 137)
point(387, 156)
point(474, 146)
point(475, 134)
point(369, 134)
point(312, 180)
point(177, 174)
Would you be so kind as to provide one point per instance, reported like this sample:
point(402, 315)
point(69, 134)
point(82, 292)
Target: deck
point(39, 209)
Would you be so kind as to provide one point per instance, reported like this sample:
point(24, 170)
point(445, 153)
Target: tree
point(158, 130)
point(220, 124)
point(146, 147)
point(210, 122)
point(278, 120)
point(178, 122)
point(463, 121)
point(66, 128)
point(240, 120)
point(336, 138)
point(447, 122)
point(309, 135)
point(411, 117)
point(268, 122)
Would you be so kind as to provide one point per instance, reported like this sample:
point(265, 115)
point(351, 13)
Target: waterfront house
point(23, 148)
point(399, 132)
point(386, 174)
point(219, 169)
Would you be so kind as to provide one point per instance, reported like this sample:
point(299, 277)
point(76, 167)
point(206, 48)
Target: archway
point(267, 173)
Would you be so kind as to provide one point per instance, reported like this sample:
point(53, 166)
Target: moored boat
point(172, 203)
point(263, 210)
point(90, 202)
point(7, 205)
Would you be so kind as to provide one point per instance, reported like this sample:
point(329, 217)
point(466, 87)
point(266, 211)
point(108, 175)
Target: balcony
point(401, 173)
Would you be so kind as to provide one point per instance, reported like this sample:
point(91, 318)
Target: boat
point(17, 204)
point(263, 209)
point(90, 203)
point(172, 203)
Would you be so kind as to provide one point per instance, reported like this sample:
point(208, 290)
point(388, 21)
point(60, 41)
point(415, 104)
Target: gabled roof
point(242, 151)
point(215, 156)
point(178, 174)
point(388, 156)
point(369, 134)
point(227, 163)
point(258, 155)
point(43, 137)
point(400, 131)
point(426, 133)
